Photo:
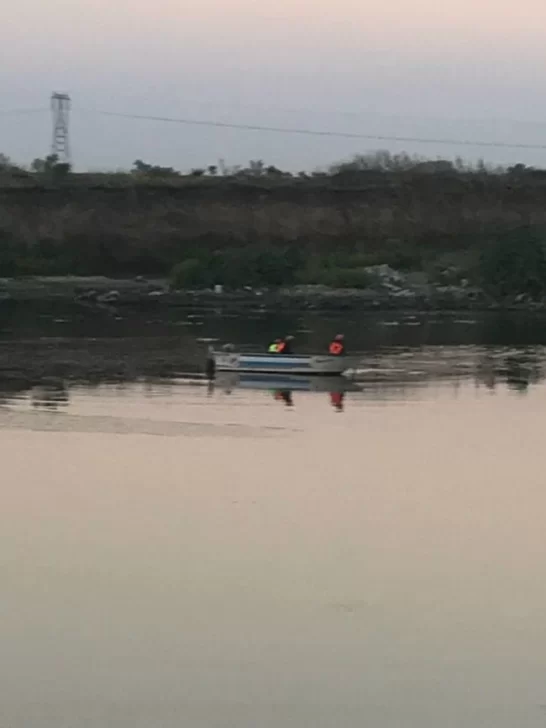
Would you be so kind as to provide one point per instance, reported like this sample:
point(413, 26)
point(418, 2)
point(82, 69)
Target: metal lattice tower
point(60, 109)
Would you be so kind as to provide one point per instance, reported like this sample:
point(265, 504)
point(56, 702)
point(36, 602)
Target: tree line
point(380, 162)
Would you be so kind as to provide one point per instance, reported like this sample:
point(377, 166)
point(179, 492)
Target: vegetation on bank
point(261, 226)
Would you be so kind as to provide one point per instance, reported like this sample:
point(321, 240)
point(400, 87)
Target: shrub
point(337, 277)
point(190, 273)
point(237, 267)
point(515, 263)
point(254, 266)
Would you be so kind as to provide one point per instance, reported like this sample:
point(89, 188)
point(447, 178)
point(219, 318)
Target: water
point(177, 556)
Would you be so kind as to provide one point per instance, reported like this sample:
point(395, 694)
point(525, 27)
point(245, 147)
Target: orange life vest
point(335, 348)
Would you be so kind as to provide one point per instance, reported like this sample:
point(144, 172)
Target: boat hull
point(279, 364)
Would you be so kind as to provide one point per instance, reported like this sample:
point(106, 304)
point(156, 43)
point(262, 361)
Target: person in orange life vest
point(337, 347)
point(285, 347)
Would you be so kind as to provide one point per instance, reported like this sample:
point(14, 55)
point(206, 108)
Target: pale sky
point(438, 69)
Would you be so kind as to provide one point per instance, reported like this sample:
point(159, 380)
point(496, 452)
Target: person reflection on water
point(284, 395)
point(337, 400)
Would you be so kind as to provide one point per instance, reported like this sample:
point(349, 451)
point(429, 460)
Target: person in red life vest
point(285, 347)
point(337, 347)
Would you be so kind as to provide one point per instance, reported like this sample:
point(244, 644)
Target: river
point(175, 554)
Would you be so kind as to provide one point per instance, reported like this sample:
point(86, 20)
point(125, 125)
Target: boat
point(294, 364)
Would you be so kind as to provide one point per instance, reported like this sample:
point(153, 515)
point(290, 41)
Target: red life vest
point(336, 348)
point(281, 347)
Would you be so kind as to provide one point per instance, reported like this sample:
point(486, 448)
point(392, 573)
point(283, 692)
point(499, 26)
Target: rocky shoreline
point(388, 290)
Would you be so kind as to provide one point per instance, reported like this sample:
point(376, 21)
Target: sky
point(432, 69)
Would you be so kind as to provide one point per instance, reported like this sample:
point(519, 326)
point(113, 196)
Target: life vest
point(335, 348)
point(273, 348)
point(280, 347)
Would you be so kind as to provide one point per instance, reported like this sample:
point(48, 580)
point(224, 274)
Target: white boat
point(315, 365)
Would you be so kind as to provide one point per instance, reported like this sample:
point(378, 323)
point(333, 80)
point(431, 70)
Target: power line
point(318, 112)
point(17, 112)
point(380, 115)
point(293, 130)
point(319, 132)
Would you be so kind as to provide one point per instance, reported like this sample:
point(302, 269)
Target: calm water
point(173, 556)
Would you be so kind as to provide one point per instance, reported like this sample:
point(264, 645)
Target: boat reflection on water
point(282, 387)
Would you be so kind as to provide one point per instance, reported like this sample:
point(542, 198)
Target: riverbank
point(388, 290)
